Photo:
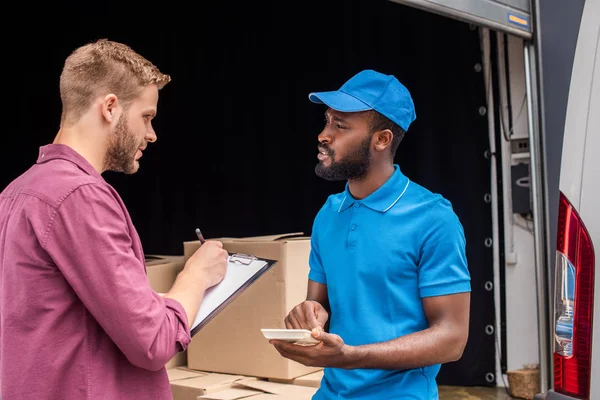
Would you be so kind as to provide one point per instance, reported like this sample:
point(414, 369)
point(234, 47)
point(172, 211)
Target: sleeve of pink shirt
point(89, 240)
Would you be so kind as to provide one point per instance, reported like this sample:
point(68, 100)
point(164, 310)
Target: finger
point(310, 312)
point(294, 321)
point(292, 350)
point(288, 323)
point(214, 243)
point(281, 347)
point(322, 317)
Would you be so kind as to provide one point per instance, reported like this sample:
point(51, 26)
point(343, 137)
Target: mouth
point(139, 153)
point(323, 154)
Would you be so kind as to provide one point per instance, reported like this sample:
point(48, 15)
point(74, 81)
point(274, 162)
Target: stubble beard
point(122, 147)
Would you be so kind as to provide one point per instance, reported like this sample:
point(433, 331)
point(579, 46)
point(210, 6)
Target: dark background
point(236, 133)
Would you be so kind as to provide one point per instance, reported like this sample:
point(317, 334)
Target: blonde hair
point(100, 68)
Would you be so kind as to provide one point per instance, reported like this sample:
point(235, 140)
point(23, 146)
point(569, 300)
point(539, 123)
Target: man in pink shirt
point(78, 318)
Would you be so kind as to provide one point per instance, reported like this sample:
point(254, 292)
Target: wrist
point(191, 281)
point(351, 356)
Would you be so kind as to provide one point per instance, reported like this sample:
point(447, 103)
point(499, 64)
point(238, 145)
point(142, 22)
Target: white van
point(576, 347)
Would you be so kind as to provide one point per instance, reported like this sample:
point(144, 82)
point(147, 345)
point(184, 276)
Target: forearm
point(431, 346)
point(189, 294)
point(318, 292)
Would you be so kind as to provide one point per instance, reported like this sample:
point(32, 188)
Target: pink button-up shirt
point(78, 318)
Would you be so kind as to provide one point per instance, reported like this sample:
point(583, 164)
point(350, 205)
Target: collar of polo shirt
point(383, 198)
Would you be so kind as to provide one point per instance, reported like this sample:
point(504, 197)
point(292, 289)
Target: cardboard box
point(233, 342)
point(191, 388)
point(190, 248)
point(310, 380)
point(262, 390)
point(162, 271)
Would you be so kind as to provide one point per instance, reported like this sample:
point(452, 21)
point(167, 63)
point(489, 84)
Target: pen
point(200, 237)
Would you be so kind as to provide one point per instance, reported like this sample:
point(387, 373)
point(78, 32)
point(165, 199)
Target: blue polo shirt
point(379, 257)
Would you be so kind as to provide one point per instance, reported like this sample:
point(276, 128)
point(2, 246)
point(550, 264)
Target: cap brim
point(339, 101)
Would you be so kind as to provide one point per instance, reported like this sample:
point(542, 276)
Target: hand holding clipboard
point(242, 271)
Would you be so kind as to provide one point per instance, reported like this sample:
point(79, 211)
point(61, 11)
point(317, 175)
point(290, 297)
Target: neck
point(87, 139)
point(377, 175)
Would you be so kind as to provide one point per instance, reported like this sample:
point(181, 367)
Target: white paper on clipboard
point(242, 271)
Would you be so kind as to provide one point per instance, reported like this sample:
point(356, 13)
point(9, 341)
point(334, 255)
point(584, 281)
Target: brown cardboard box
point(233, 342)
point(190, 247)
point(310, 380)
point(191, 388)
point(162, 271)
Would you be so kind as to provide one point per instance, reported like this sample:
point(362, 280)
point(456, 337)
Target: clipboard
point(242, 271)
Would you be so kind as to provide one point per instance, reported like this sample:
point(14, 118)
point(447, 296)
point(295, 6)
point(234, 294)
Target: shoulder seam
point(56, 208)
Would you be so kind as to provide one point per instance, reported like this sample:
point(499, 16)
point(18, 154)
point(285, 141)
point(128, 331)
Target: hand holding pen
point(210, 260)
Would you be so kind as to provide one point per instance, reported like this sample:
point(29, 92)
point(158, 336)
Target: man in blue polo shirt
point(388, 271)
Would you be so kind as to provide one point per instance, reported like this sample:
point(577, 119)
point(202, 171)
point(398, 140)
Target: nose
point(151, 136)
point(324, 137)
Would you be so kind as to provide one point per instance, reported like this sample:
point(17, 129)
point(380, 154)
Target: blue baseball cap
point(371, 90)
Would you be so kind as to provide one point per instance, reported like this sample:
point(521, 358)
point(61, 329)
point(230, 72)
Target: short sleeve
point(316, 273)
point(443, 268)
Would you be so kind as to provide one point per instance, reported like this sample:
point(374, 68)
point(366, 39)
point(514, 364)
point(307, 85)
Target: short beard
point(354, 166)
point(120, 155)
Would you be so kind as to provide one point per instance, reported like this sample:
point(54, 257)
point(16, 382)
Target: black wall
point(236, 133)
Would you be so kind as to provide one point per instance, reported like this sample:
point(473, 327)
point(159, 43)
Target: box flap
point(176, 374)
point(157, 259)
point(281, 389)
point(271, 238)
point(313, 379)
point(209, 381)
point(231, 394)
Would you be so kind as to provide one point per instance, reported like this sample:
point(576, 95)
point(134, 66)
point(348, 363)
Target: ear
point(110, 107)
point(382, 139)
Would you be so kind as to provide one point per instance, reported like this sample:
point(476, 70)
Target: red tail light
point(574, 297)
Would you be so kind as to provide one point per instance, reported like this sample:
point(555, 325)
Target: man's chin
point(327, 173)
point(132, 169)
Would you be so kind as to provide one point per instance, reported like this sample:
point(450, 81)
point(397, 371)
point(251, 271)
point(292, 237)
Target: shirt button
point(353, 227)
point(356, 205)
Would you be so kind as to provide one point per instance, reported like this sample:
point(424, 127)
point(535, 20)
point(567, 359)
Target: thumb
point(328, 339)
